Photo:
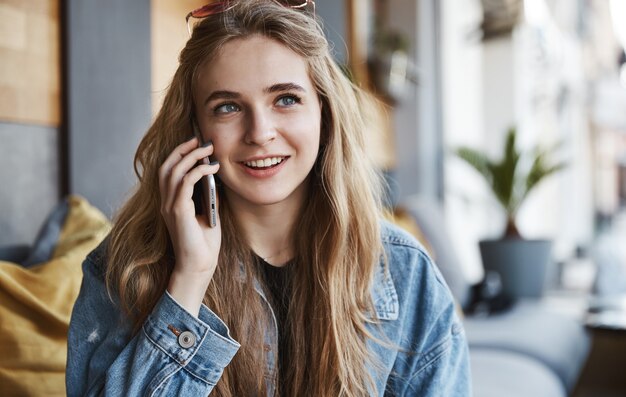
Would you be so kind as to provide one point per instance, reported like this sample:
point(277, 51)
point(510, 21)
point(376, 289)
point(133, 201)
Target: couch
point(524, 351)
point(38, 286)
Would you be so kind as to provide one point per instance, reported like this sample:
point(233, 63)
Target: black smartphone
point(208, 193)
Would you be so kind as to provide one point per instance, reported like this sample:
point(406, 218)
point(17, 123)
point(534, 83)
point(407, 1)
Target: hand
point(196, 245)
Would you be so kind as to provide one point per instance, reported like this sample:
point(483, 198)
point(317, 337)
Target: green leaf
point(509, 185)
point(539, 171)
point(479, 161)
point(507, 172)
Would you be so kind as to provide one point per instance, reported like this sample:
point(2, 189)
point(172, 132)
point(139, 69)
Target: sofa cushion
point(559, 342)
point(429, 216)
point(498, 373)
point(43, 247)
point(48, 236)
point(15, 253)
point(36, 307)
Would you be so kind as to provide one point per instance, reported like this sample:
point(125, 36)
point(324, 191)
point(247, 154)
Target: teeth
point(268, 162)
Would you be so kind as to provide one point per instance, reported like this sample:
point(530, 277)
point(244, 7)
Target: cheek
point(224, 139)
point(315, 136)
point(220, 150)
point(307, 128)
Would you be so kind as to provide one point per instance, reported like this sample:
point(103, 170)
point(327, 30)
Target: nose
point(260, 129)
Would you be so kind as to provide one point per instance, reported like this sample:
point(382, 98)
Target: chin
point(264, 199)
point(260, 197)
point(268, 193)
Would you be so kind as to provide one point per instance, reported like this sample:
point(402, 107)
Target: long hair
point(337, 243)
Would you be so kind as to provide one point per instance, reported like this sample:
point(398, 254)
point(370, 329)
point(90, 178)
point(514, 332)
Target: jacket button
point(186, 339)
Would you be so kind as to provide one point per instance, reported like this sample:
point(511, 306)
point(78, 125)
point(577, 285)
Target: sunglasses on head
point(219, 6)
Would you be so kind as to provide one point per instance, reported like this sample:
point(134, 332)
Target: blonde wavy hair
point(337, 246)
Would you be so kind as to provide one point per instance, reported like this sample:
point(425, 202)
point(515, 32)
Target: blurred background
point(81, 80)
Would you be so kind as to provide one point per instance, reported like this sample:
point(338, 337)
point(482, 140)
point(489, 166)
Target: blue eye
point(288, 100)
point(226, 108)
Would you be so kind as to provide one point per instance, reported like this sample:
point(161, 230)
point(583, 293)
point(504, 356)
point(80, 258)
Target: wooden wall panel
point(29, 62)
point(169, 35)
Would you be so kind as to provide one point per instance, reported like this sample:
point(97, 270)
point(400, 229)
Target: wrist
point(188, 289)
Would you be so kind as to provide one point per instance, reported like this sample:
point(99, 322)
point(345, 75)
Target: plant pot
point(389, 73)
point(522, 264)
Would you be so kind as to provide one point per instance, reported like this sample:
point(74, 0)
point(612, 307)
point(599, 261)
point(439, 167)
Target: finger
point(178, 163)
point(186, 164)
point(185, 191)
point(179, 152)
point(165, 169)
point(190, 159)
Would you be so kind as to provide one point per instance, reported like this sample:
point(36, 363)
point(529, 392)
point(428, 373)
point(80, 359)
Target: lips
point(263, 163)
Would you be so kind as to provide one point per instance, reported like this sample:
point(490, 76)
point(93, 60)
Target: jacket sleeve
point(433, 358)
point(174, 353)
point(444, 369)
point(441, 366)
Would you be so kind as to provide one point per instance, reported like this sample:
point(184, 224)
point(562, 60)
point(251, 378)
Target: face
point(258, 105)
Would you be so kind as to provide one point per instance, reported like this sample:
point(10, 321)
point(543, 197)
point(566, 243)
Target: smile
point(264, 163)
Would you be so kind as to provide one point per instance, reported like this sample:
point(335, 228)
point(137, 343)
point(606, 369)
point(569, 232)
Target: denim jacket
point(427, 356)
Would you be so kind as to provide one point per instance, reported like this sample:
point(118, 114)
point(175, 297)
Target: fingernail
point(214, 162)
point(207, 143)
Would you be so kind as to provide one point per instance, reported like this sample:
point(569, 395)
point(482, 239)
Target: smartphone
point(209, 193)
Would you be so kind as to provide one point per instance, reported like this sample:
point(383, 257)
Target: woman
point(300, 289)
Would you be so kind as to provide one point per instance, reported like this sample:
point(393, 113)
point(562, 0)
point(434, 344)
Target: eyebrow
point(284, 87)
point(221, 95)
point(280, 87)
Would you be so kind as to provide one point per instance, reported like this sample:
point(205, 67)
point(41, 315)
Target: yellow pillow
point(36, 303)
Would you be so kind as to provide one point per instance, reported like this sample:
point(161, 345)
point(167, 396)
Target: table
point(605, 371)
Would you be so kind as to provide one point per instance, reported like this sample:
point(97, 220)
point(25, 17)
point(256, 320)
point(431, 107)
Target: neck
point(268, 228)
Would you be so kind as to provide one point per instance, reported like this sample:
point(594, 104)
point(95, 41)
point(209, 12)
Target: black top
point(278, 289)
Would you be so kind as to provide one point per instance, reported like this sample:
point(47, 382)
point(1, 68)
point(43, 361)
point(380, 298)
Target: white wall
point(416, 117)
point(463, 124)
point(534, 79)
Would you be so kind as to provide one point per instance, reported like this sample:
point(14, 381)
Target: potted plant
point(389, 63)
point(521, 263)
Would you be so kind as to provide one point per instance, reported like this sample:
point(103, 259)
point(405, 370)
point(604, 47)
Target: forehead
point(251, 61)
